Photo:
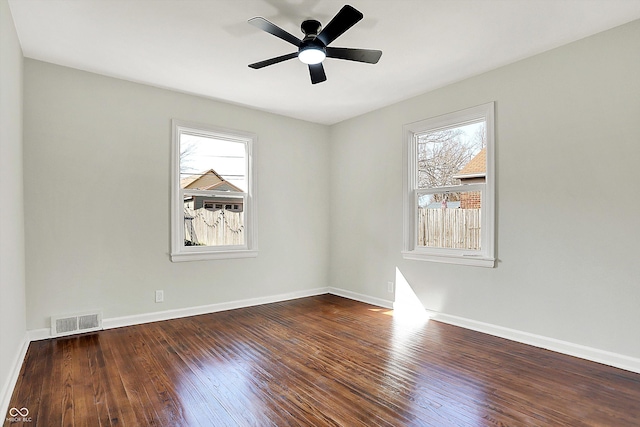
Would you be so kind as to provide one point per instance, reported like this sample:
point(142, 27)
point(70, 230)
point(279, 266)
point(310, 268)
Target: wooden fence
point(213, 228)
point(449, 228)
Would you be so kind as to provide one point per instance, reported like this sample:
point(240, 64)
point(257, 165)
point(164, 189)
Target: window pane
point(450, 220)
point(452, 156)
point(213, 221)
point(208, 163)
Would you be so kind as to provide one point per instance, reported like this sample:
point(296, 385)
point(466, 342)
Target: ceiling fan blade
point(267, 26)
point(345, 19)
point(317, 73)
point(360, 55)
point(272, 61)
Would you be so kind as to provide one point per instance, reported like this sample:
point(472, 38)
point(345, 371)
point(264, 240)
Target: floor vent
point(75, 324)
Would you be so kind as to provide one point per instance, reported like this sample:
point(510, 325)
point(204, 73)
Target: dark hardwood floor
point(320, 361)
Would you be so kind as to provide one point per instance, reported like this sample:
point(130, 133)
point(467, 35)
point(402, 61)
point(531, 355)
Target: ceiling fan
point(314, 47)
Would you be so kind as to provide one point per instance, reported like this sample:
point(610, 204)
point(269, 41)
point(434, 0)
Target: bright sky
point(470, 132)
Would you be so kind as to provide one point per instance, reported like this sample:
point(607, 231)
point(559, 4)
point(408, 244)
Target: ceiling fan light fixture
point(312, 55)
point(314, 47)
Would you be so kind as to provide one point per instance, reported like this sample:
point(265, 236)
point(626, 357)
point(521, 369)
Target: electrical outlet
point(390, 287)
point(159, 296)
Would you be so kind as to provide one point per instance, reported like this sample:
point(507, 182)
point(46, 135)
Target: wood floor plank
point(95, 365)
point(29, 392)
point(319, 361)
point(85, 407)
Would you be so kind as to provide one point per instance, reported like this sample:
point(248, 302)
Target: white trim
point(12, 380)
point(362, 298)
point(477, 261)
point(202, 256)
point(451, 189)
point(137, 319)
point(616, 360)
point(250, 248)
point(215, 193)
point(483, 257)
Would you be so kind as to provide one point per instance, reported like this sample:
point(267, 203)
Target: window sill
point(476, 261)
point(204, 256)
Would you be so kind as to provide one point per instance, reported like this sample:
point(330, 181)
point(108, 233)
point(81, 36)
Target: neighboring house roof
point(208, 180)
point(476, 168)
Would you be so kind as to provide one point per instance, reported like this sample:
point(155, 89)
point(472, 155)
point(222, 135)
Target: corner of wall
point(13, 335)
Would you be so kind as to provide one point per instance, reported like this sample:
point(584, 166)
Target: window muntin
point(449, 186)
point(213, 193)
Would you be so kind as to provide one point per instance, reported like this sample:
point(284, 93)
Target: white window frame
point(180, 252)
point(485, 257)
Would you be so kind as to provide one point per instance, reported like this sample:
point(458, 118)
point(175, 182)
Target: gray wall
point(97, 164)
point(568, 152)
point(12, 281)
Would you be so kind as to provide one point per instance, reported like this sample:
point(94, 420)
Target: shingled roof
point(208, 180)
point(477, 166)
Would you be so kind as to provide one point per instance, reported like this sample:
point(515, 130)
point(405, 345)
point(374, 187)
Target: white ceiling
point(204, 46)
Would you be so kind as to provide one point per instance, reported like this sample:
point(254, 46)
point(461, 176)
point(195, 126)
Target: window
point(213, 193)
point(449, 188)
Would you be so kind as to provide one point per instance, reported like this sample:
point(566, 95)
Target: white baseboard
point(360, 297)
point(137, 319)
point(10, 383)
point(117, 322)
point(616, 360)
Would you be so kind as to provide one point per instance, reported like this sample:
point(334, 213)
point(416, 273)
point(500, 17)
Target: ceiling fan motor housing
point(311, 28)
